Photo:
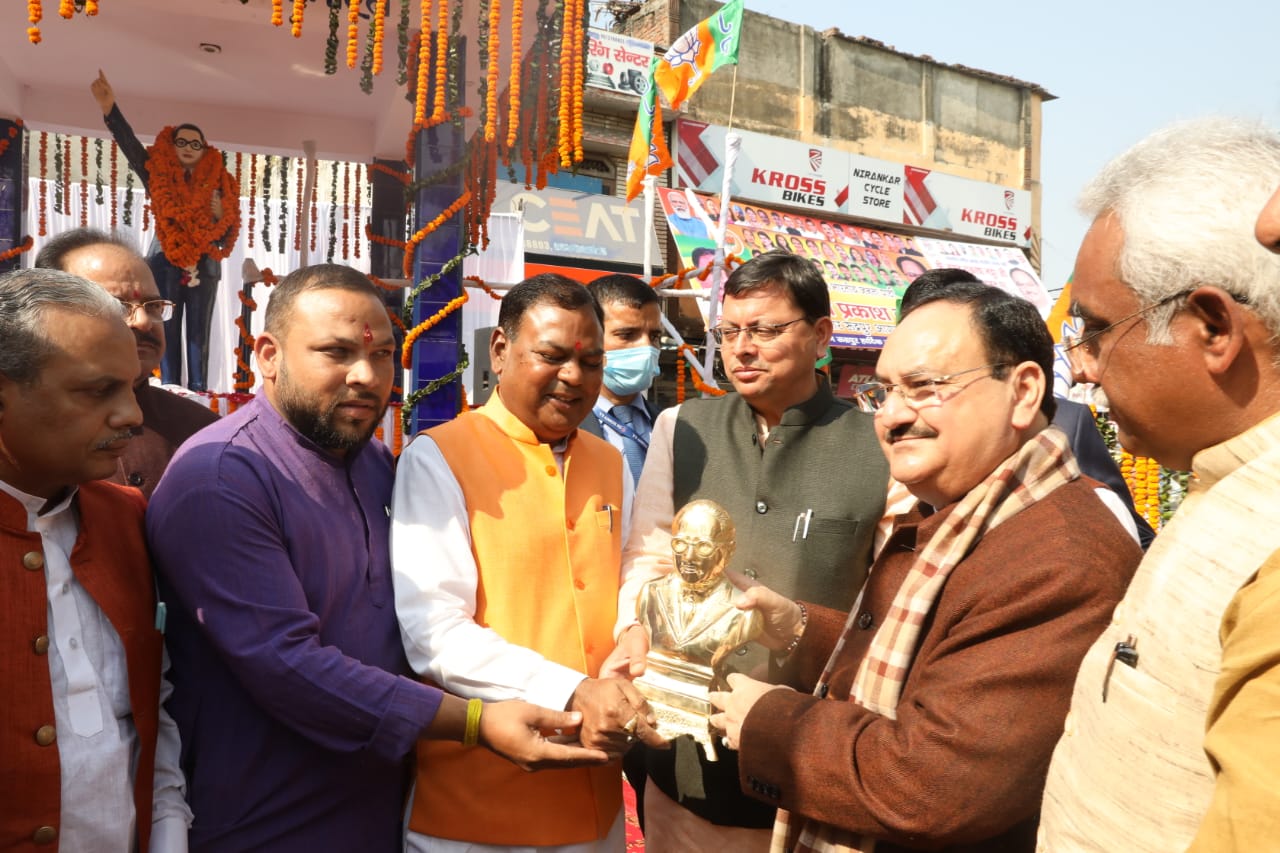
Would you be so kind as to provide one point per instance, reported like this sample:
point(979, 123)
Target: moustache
point(123, 435)
point(910, 431)
point(146, 338)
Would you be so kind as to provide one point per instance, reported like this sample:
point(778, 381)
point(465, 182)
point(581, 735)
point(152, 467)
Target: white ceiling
point(264, 91)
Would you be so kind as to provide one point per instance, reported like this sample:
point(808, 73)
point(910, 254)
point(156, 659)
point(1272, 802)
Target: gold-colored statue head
point(702, 542)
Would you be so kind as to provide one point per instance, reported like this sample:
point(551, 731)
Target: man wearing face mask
point(632, 328)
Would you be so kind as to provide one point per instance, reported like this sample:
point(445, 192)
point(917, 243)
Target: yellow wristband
point(471, 736)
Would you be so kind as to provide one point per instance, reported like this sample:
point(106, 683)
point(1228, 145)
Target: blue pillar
point(438, 352)
point(12, 192)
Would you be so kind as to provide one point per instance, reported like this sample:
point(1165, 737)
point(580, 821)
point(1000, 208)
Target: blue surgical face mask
point(631, 370)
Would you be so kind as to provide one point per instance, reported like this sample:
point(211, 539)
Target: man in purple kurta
point(270, 529)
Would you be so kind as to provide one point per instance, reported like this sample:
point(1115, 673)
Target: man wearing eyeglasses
point(925, 717)
point(803, 479)
point(1178, 303)
point(167, 419)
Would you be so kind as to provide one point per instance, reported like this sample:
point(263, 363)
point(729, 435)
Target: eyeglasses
point(921, 391)
point(698, 547)
point(158, 310)
point(193, 144)
point(760, 333)
point(1079, 344)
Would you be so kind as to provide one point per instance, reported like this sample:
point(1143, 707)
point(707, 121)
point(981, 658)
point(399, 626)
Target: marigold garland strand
point(492, 47)
point(300, 212)
point(359, 213)
point(353, 31)
point(346, 210)
point(379, 22)
point(34, 13)
point(84, 181)
point(185, 225)
point(284, 203)
point(442, 61)
point(424, 66)
point(115, 171)
point(299, 6)
point(513, 92)
point(253, 198)
point(277, 13)
point(411, 336)
point(24, 246)
point(422, 233)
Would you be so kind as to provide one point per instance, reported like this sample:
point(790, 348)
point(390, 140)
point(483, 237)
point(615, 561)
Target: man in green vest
point(802, 476)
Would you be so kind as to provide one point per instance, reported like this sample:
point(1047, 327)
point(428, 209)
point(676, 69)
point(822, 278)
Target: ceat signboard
point(577, 225)
point(769, 170)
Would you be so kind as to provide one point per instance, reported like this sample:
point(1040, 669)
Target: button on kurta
point(44, 835)
point(569, 523)
point(135, 479)
point(33, 560)
point(579, 584)
point(865, 620)
point(762, 507)
point(46, 735)
point(552, 471)
point(41, 644)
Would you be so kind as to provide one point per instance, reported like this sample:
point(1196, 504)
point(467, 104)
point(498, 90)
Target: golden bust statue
point(692, 623)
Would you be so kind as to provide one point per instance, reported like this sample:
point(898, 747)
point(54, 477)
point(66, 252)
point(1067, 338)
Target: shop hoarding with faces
point(866, 269)
point(771, 170)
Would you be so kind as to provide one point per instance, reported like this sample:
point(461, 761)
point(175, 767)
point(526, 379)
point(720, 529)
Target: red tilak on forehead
point(577, 345)
point(137, 294)
point(368, 334)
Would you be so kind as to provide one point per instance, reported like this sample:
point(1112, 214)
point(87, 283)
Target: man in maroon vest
point(80, 653)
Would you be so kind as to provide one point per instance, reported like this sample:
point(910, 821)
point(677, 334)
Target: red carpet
point(635, 841)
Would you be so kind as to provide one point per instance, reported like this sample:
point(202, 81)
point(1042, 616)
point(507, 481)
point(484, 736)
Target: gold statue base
point(677, 693)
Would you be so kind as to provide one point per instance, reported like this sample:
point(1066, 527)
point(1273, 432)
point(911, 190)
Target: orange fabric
point(110, 561)
point(549, 562)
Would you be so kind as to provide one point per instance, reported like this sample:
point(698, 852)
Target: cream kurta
point(1130, 772)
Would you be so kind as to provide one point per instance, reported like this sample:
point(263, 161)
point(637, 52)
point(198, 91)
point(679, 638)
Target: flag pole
point(650, 181)
point(733, 91)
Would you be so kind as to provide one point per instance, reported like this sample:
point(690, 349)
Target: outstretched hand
point(782, 617)
point(735, 703)
point(614, 714)
point(525, 735)
point(103, 93)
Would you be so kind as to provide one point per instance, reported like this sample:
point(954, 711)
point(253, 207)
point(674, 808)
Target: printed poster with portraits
point(1004, 267)
point(866, 270)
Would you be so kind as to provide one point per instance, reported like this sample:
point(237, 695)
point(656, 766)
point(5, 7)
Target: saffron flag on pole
point(695, 55)
point(649, 154)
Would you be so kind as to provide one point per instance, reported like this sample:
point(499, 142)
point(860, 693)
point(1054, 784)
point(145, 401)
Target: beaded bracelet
point(804, 622)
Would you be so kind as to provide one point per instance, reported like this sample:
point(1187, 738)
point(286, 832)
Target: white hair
point(1186, 199)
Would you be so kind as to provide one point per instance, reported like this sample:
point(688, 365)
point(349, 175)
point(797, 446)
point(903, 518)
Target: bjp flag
point(649, 154)
point(693, 57)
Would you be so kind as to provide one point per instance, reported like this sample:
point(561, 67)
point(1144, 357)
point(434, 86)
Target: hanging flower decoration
point(14, 130)
point(315, 216)
point(253, 198)
point(417, 331)
point(98, 197)
point(185, 224)
point(24, 246)
point(115, 195)
point(277, 13)
point(378, 25)
point(296, 23)
point(421, 234)
point(126, 213)
point(353, 32)
point(331, 43)
point(491, 47)
point(266, 203)
point(67, 8)
point(702, 387)
point(346, 211)
point(84, 181)
point(359, 213)
point(44, 183)
point(300, 211)
point(402, 45)
point(66, 175)
point(34, 14)
point(333, 212)
point(284, 203)
point(424, 67)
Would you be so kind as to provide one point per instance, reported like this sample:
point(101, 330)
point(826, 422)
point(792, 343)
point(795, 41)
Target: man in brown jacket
point(928, 715)
point(167, 419)
point(88, 758)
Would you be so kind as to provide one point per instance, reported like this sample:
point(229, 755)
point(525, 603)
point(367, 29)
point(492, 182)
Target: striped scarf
point(1041, 465)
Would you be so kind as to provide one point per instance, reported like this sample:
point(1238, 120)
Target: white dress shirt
point(97, 741)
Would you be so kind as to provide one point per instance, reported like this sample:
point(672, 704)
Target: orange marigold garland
point(513, 92)
point(67, 8)
point(442, 62)
point(353, 32)
point(184, 210)
point(424, 67)
point(379, 16)
point(44, 183)
point(579, 71)
point(566, 85)
point(422, 233)
point(315, 215)
point(91, 8)
point(298, 7)
point(66, 176)
point(34, 13)
point(491, 73)
point(24, 246)
point(411, 336)
point(693, 375)
point(14, 130)
point(277, 13)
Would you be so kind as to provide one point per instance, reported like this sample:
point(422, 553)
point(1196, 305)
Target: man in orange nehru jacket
point(506, 538)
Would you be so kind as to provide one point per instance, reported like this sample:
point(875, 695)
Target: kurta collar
point(1215, 463)
point(16, 506)
point(281, 426)
point(512, 426)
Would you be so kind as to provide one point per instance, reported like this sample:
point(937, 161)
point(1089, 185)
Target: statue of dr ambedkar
point(692, 623)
